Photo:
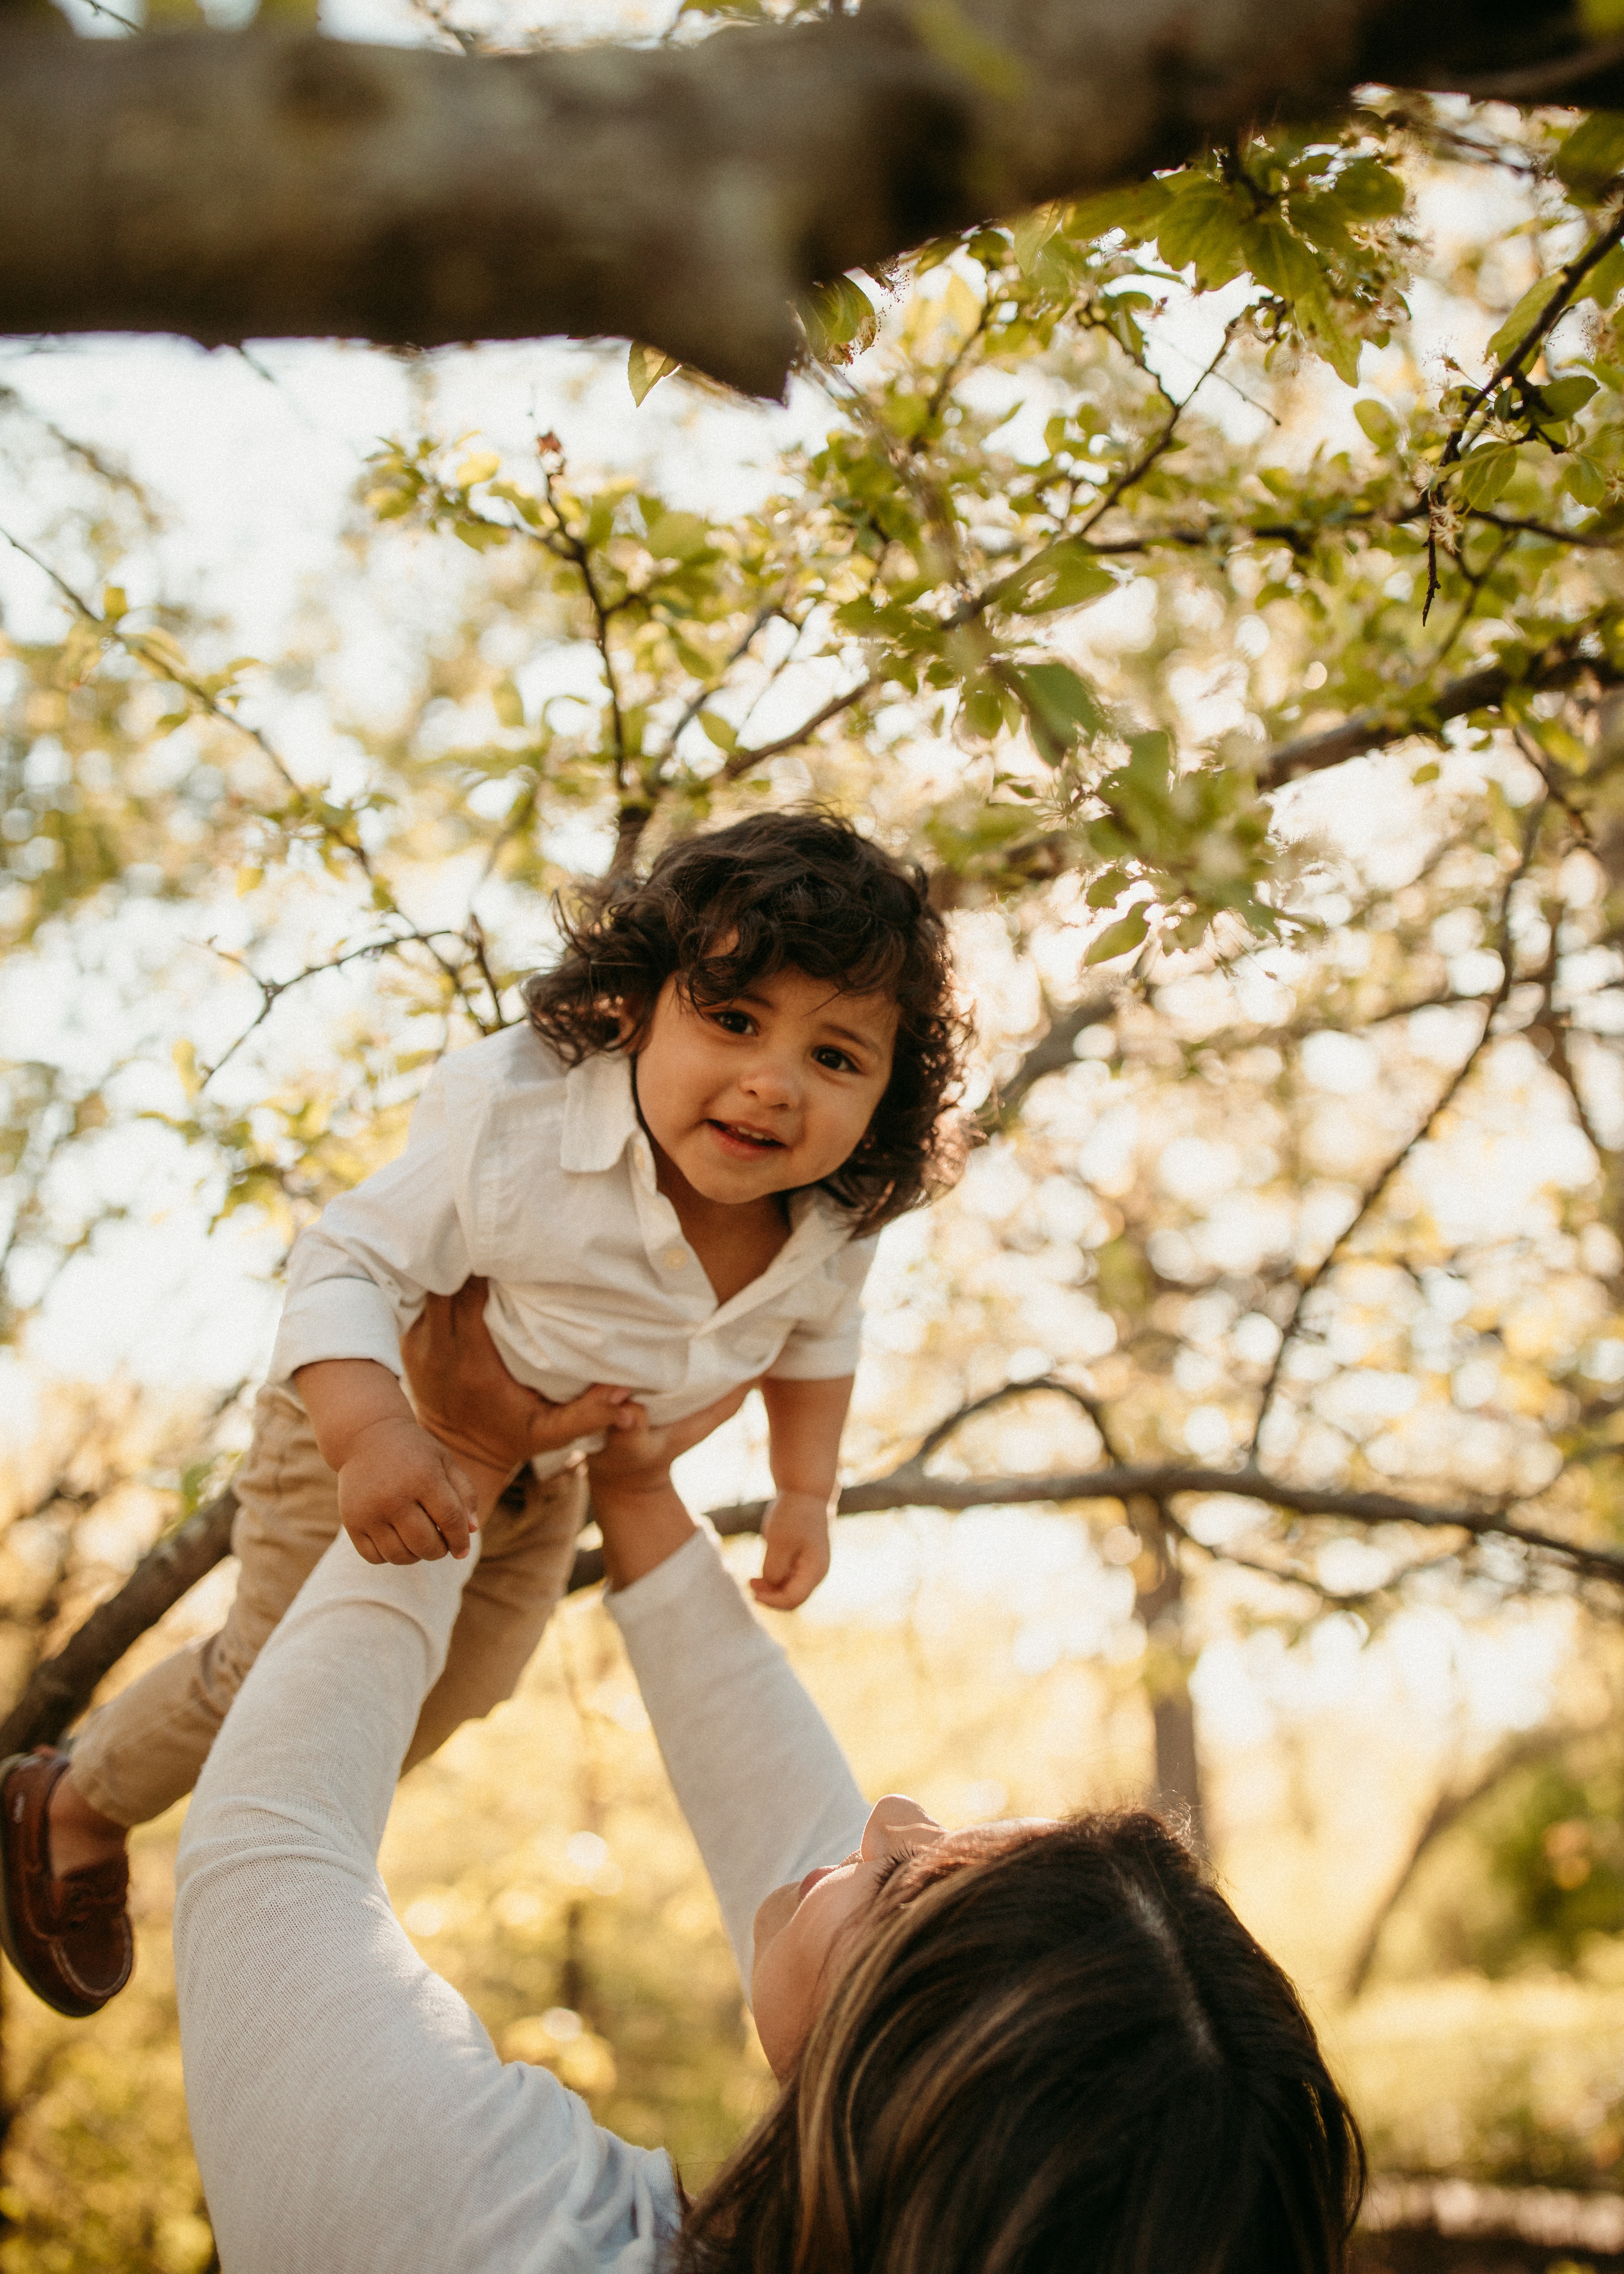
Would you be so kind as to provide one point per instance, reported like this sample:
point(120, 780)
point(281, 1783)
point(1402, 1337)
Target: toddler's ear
point(629, 1016)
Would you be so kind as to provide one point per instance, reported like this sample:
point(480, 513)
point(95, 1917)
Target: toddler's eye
point(837, 1061)
point(731, 1022)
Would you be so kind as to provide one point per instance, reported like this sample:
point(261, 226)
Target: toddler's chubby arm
point(403, 1494)
point(804, 1421)
point(402, 1498)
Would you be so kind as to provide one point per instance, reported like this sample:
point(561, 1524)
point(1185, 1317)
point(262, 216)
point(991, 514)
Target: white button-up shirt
point(542, 1181)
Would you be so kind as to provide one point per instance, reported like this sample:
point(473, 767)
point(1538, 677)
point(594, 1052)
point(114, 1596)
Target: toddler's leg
point(523, 1571)
point(64, 1879)
point(143, 1750)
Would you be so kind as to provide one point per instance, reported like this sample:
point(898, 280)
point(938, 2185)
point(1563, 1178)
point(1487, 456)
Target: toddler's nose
point(771, 1082)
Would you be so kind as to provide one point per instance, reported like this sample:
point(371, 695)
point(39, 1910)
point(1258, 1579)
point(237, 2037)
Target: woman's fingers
point(694, 1428)
point(603, 1406)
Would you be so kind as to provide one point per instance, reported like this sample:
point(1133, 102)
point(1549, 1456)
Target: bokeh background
point(1074, 550)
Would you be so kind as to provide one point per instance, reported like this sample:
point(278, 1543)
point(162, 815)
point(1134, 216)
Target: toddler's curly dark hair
point(798, 890)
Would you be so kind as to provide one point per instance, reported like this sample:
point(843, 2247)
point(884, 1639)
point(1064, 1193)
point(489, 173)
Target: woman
point(1030, 2047)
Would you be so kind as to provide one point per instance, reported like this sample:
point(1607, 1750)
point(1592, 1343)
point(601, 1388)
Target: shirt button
point(674, 1258)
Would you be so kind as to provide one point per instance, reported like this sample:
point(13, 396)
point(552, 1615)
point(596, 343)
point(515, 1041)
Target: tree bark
point(1159, 1603)
point(60, 1688)
point(274, 182)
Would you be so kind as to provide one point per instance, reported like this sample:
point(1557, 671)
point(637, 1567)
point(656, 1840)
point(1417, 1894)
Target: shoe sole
point(80, 2010)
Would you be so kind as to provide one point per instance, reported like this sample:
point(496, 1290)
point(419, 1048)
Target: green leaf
point(1137, 210)
point(645, 368)
point(1202, 229)
point(1063, 576)
point(508, 702)
point(677, 535)
point(1564, 396)
point(1060, 704)
point(1369, 190)
point(1522, 319)
point(840, 319)
point(983, 707)
point(480, 468)
point(1593, 153)
point(1381, 426)
point(114, 604)
point(720, 730)
point(1281, 263)
point(1585, 480)
point(1484, 474)
point(1605, 281)
point(1107, 887)
point(1123, 936)
point(1429, 772)
point(1030, 234)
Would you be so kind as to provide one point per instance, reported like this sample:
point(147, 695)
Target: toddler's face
point(769, 1091)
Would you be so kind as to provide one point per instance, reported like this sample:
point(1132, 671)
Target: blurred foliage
point(1259, 712)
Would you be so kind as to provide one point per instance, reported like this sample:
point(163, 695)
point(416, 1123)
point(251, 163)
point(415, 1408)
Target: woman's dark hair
point(798, 891)
point(1065, 2055)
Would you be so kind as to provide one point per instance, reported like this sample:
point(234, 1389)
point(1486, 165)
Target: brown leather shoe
point(69, 1939)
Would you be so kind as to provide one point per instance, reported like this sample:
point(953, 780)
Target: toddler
point(672, 1178)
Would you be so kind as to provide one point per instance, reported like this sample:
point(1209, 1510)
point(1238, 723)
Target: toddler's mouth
point(757, 1138)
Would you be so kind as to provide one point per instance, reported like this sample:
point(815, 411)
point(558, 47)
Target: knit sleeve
point(756, 1767)
point(349, 2113)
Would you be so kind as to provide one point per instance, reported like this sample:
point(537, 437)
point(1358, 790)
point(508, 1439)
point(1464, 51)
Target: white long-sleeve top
point(541, 1179)
point(349, 2113)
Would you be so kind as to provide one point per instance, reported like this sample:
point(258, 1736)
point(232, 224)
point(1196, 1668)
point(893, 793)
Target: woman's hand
point(639, 1456)
point(635, 1504)
point(467, 1398)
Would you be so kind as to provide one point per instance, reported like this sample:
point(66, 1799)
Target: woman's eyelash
point(890, 1865)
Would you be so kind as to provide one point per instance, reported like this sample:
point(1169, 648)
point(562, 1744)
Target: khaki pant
point(144, 1750)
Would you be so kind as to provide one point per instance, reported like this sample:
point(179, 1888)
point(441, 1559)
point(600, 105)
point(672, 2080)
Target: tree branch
point(60, 1688)
point(274, 183)
point(1309, 1282)
point(1483, 689)
point(908, 1488)
point(1052, 1053)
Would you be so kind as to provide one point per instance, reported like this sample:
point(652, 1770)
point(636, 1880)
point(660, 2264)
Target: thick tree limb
point(274, 182)
point(60, 1688)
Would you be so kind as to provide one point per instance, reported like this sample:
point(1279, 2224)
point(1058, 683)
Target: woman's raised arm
point(349, 2113)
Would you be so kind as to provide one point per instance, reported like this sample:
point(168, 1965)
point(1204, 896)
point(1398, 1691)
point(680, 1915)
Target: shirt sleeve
point(830, 1347)
point(359, 1278)
point(349, 2113)
point(755, 1768)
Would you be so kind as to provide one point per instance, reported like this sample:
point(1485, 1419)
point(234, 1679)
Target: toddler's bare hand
point(796, 1531)
point(402, 1498)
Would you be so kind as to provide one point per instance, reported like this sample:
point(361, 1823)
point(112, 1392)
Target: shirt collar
point(600, 1113)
